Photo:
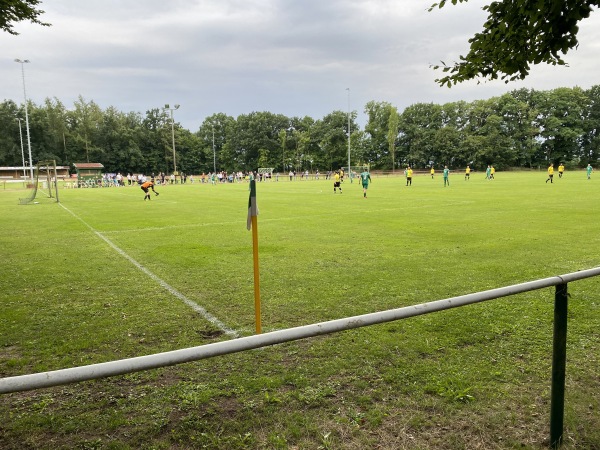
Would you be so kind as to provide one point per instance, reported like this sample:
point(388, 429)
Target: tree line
point(522, 128)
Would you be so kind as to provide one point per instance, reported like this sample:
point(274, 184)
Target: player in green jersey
point(446, 173)
point(588, 171)
point(365, 177)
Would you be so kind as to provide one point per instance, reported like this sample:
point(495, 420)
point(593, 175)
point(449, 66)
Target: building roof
point(88, 166)
point(26, 167)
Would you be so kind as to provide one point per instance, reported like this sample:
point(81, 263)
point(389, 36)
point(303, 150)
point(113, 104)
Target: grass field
point(73, 292)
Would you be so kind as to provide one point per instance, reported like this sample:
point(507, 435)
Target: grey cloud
point(234, 56)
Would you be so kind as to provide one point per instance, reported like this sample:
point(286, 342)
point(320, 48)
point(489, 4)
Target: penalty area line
point(199, 309)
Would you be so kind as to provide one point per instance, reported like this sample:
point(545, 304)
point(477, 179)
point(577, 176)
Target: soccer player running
point(336, 182)
point(550, 173)
point(145, 187)
point(446, 174)
point(365, 177)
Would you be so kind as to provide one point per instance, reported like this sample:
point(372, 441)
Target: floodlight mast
point(22, 151)
point(22, 62)
point(214, 151)
point(349, 168)
point(167, 106)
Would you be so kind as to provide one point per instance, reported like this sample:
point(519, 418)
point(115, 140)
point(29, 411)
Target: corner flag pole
point(252, 223)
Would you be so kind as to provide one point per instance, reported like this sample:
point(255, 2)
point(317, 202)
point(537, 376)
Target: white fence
point(130, 365)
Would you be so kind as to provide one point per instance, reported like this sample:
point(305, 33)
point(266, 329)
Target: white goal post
point(46, 175)
point(355, 171)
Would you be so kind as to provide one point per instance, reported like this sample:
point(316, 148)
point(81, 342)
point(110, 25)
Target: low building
point(16, 172)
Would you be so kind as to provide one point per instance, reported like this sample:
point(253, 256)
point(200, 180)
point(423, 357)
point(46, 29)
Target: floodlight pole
point(349, 169)
point(22, 62)
point(283, 152)
point(22, 150)
point(291, 129)
point(167, 106)
point(214, 151)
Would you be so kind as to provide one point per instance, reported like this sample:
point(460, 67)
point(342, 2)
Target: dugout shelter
point(89, 174)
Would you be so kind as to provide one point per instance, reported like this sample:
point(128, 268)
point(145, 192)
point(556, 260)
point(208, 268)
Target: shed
point(88, 173)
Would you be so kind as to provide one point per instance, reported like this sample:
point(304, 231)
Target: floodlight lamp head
point(166, 106)
point(176, 106)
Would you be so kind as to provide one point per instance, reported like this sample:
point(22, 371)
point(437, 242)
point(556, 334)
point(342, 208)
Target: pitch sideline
point(199, 309)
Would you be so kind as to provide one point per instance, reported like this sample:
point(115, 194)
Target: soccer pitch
point(106, 275)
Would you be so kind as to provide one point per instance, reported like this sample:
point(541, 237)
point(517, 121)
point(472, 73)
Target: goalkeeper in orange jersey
point(145, 187)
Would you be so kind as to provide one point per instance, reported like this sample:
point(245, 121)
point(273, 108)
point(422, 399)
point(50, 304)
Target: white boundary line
point(199, 309)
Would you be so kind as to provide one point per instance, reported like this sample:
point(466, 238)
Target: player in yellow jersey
point(432, 172)
point(468, 173)
point(409, 173)
point(561, 170)
point(550, 173)
point(336, 182)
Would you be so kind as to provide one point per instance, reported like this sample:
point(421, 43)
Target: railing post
point(559, 359)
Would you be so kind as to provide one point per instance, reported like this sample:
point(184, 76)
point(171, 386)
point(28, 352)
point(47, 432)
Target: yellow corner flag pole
point(252, 223)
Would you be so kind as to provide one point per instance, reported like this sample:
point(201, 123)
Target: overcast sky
point(294, 57)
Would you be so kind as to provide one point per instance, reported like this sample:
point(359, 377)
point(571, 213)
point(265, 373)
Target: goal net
point(355, 171)
point(44, 182)
point(265, 173)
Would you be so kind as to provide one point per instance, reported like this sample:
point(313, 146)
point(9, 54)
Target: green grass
point(472, 377)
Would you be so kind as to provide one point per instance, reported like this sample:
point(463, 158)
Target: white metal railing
point(141, 363)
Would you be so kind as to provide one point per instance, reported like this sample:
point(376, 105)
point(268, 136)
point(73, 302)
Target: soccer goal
point(355, 171)
point(266, 173)
point(44, 182)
